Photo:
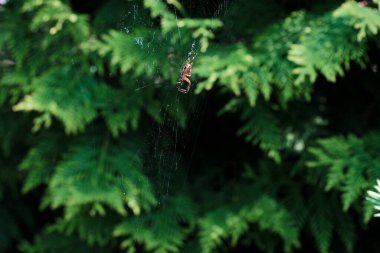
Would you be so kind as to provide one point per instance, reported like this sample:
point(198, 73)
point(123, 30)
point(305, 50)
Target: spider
point(185, 74)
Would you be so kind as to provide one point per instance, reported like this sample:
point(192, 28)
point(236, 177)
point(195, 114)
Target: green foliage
point(366, 20)
point(251, 69)
point(337, 38)
point(262, 128)
point(49, 95)
point(234, 221)
point(99, 153)
point(54, 243)
point(201, 28)
point(93, 230)
point(374, 197)
point(125, 52)
point(35, 163)
point(352, 165)
point(160, 231)
point(53, 15)
point(324, 224)
point(112, 176)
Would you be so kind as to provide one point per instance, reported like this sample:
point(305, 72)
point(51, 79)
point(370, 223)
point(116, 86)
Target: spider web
point(169, 146)
point(168, 151)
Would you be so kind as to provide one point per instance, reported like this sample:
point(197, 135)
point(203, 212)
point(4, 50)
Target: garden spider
point(186, 72)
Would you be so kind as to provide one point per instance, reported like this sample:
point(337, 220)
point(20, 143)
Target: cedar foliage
point(84, 87)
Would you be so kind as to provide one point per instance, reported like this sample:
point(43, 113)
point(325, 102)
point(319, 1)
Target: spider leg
point(186, 79)
point(182, 90)
point(179, 85)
